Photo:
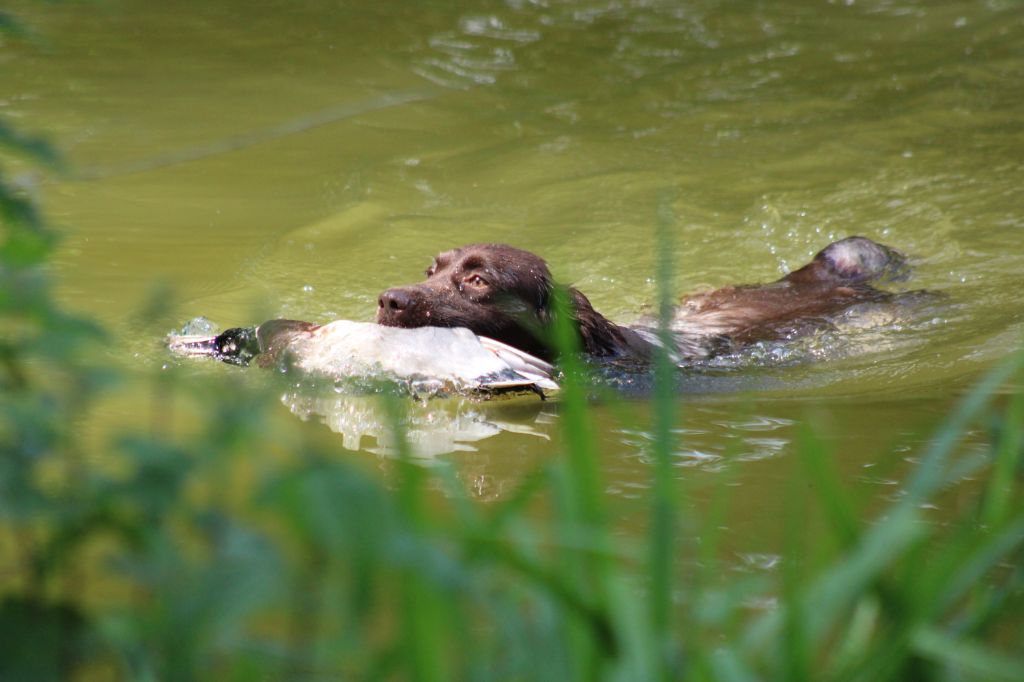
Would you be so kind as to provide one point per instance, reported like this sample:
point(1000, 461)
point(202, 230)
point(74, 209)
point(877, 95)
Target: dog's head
point(503, 293)
point(494, 290)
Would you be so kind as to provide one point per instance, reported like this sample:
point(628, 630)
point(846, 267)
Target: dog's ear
point(543, 293)
point(599, 337)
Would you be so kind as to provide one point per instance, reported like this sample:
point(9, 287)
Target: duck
point(428, 361)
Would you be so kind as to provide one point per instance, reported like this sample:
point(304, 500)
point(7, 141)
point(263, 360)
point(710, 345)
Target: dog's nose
point(394, 300)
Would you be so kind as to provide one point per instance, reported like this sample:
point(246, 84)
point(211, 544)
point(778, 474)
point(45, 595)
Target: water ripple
point(474, 54)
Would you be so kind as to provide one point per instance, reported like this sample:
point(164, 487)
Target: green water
point(293, 160)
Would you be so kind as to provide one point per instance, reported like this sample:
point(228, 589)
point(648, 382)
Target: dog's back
point(839, 276)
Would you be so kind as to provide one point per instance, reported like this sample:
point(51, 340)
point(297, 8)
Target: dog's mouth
point(390, 318)
point(407, 318)
point(415, 307)
point(426, 316)
point(411, 313)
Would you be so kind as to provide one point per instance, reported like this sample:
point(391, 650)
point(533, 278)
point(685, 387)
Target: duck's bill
point(192, 346)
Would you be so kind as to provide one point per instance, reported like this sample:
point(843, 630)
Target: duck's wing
point(533, 369)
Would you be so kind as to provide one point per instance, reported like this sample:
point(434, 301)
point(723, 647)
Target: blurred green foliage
point(229, 546)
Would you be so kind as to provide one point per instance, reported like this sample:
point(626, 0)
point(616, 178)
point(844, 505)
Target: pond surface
point(293, 160)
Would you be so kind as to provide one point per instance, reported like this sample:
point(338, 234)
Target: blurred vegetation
point(228, 546)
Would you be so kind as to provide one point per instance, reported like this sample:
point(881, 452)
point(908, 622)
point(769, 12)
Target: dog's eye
point(475, 280)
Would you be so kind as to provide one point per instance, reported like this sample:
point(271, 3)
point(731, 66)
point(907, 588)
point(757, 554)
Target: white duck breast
point(431, 359)
point(453, 357)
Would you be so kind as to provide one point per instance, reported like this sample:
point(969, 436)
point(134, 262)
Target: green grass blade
point(422, 616)
point(929, 475)
point(581, 507)
point(855, 644)
point(829, 597)
point(795, 650)
point(584, 484)
point(967, 657)
point(820, 469)
point(978, 562)
point(661, 566)
point(726, 666)
point(1001, 487)
point(11, 26)
point(34, 148)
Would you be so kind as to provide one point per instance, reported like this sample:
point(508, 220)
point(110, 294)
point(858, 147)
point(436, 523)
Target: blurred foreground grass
point(230, 546)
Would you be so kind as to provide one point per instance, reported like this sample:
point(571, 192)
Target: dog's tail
point(851, 261)
point(240, 345)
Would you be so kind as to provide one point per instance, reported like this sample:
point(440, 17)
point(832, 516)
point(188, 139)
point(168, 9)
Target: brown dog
point(506, 293)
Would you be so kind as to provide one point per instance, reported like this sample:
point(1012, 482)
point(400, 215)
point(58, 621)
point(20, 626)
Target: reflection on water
point(431, 428)
point(720, 442)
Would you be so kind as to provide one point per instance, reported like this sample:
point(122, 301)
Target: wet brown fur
point(506, 293)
